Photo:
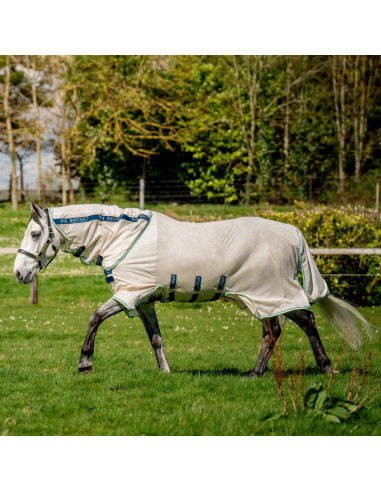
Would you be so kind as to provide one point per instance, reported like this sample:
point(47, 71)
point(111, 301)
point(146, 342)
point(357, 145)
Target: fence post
point(141, 194)
point(34, 291)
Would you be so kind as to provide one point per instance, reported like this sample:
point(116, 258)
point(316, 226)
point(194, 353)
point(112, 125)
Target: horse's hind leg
point(306, 320)
point(148, 316)
point(108, 309)
point(270, 333)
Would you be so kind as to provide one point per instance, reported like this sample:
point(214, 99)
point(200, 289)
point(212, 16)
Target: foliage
point(233, 127)
point(318, 401)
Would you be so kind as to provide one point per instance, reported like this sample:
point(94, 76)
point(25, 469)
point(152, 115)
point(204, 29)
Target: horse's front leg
point(108, 309)
point(148, 316)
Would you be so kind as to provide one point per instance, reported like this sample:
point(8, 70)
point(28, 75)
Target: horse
point(149, 257)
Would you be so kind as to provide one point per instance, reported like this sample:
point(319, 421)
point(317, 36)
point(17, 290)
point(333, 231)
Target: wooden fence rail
point(346, 251)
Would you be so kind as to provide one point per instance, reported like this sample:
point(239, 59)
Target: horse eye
point(36, 235)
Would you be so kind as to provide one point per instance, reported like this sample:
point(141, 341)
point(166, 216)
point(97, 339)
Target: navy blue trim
point(103, 218)
point(221, 285)
point(99, 260)
point(107, 272)
point(79, 252)
point(172, 285)
point(197, 284)
point(110, 279)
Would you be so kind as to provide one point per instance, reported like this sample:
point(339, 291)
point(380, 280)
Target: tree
point(8, 119)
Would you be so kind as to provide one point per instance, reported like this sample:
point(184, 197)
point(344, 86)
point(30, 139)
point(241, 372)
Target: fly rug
point(148, 257)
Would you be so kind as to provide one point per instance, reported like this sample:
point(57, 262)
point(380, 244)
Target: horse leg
point(306, 321)
point(270, 333)
point(108, 309)
point(148, 316)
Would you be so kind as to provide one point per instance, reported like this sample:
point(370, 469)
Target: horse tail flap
point(315, 286)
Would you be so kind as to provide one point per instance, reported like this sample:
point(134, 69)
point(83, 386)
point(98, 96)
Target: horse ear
point(34, 209)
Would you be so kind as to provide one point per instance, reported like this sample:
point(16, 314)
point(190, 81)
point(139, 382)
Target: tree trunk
point(287, 117)
point(11, 145)
point(22, 180)
point(356, 118)
point(63, 169)
point(343, 126)
point(37, 123)
point(340, 118)
point(362, 122)
point(68, 172)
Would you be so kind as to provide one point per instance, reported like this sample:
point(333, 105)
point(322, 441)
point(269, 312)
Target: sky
point(30, 169)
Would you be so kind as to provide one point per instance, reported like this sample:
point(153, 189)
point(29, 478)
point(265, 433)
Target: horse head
point(38, 247)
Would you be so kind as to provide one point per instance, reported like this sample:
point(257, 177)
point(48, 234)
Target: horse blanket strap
point(49, 242)
point(197, 288)
point(220, 287)
point(172, 287)
point(79, 252)
point(216, 297)
point(109, 277)
point(99, 260)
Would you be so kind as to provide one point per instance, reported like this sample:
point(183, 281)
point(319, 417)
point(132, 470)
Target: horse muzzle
point(24, 278)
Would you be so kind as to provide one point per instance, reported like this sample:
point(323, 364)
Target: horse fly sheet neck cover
point(253, 261)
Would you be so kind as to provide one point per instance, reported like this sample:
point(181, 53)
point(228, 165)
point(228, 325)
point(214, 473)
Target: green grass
point(42, 393)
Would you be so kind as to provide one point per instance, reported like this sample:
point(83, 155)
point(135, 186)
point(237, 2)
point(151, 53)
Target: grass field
point(210, 348)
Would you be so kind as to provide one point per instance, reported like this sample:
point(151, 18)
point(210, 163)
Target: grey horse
point(41, 243)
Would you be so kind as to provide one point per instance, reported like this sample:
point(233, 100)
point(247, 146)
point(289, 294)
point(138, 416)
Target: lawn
point(210, 348)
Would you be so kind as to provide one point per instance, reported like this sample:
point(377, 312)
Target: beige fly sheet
point(253, 261)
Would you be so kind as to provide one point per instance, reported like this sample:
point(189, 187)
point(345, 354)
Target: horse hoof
point(329, 370)
point(85, 368)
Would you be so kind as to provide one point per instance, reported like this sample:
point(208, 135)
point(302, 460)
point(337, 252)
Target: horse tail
point(345, 319)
